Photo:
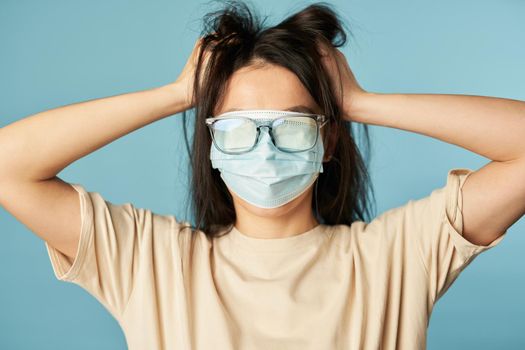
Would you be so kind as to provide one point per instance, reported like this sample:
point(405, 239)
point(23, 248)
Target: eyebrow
point(298, 108)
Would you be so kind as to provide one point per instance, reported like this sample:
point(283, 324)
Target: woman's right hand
point(186, 77)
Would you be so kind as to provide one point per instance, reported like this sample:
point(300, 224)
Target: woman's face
point(268, 86)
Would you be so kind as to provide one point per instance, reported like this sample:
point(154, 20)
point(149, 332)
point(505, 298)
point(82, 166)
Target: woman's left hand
point(341, 76)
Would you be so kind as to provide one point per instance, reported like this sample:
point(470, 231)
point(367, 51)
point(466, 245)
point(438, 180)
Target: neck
point(288, 220)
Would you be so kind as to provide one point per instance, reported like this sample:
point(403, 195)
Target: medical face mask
point(267, 157)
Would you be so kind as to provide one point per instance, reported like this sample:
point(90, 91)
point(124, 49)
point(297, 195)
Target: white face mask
point(265, 174)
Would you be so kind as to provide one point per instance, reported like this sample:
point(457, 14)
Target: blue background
point(55, 53)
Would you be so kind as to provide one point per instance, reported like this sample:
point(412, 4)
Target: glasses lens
point(234, 134)
point(294, 133)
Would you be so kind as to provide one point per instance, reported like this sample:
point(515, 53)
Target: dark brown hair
point(235, 37)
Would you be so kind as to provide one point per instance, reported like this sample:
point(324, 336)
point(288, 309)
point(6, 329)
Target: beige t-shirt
point(365, 286)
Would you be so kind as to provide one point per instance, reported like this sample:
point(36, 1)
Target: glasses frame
point(320, 121)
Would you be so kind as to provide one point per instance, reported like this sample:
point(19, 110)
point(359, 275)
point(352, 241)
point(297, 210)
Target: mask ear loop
point(317, 215)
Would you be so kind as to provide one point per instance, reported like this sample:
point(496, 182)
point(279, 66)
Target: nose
point(265, 138)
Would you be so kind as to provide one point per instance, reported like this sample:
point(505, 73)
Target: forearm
point(39, 146)
point(489, 126)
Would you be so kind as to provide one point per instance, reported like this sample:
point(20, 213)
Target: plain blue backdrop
point(55, 53)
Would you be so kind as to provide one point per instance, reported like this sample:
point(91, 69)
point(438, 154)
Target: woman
point(280, 257)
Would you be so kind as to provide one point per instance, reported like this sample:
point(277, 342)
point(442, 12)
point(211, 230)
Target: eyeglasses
point(239, 131)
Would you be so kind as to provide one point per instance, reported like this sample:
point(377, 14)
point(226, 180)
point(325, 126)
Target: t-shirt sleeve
point(433, 226)
point(112, 240)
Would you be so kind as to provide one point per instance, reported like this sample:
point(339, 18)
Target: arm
point(35, 149)
point(494, 195)
point(38, 147)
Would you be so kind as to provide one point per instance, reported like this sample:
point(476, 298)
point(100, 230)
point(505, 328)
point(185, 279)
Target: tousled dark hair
point(236, 37)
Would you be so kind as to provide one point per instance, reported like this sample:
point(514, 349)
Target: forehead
point(264, 87)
